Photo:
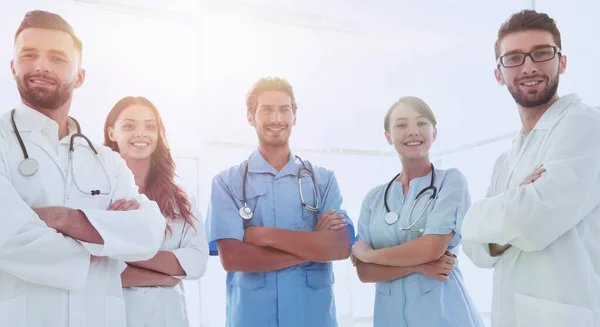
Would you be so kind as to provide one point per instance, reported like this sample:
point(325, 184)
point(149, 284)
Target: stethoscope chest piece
point(28, 167)
point(245, 212)
point(391, 217)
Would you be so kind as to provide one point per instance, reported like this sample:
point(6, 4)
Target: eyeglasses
point(537, 55)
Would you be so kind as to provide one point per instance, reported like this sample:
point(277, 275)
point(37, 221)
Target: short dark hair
point(51, 21)
point(527, 20)
point(269, 84)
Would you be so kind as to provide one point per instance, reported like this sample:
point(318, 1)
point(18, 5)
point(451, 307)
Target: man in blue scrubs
point(279, 261)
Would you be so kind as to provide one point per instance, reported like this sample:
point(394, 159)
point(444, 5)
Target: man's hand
point(496, 250)
point(94, 258)
point(537, 173)
point(255, 235)
point(124, 205)
point(330, 220)
point(54, 217)
point(439, 269)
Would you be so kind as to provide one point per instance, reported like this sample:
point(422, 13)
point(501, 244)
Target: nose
point(275, 116)
point(413, 130)
point(529, 67)
point(42, 65)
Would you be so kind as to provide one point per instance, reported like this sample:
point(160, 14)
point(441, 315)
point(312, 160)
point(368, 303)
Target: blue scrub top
point(418, 300)
point(297, 296)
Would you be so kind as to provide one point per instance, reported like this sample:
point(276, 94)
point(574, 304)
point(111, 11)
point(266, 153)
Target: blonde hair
point(269, 84)
point(414, 102)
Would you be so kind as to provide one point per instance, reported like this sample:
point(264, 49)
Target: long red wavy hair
point(160, 186)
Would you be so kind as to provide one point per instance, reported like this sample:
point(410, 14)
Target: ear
point(250, 118)
point(80, 78)
point(111, 135)
point(388, 137)
point(499, 76)
point(434, 134)
point(294, 121)
point(562, 64)
point(12, 69)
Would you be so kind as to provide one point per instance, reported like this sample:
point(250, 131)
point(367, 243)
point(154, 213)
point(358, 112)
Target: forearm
point(239, 256)
point(413, 253)
point(317, 246)
point(374, 273)
point(164, 262)
point(76, 225)
point(139, 277)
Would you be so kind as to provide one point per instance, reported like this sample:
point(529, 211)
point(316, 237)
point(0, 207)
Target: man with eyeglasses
point(539, 223)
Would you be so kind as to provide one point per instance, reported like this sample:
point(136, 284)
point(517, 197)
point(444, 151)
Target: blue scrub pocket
point(428, 284)
point(249, 281)
point(254, 193)
point(319, 278)
point(384, 288)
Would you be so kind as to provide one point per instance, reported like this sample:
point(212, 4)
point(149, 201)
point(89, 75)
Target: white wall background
point(348, 61)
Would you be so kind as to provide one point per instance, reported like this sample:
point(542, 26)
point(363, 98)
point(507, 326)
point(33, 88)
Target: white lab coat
point(550, 276)
point(46, 278)
point(166, 306)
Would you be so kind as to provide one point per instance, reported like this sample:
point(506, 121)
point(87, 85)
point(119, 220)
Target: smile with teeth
point(140, 145)
point(275, 129)
point(414, 143)
point(531, 83)
point(40, 82)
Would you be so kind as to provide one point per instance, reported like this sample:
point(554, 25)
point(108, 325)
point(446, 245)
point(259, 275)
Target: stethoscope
point(30, 166)
point(392, 217)
point(245, 211)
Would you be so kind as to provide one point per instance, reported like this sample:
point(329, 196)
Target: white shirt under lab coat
point(550, 276)
point(46, 278)
point(166, 306)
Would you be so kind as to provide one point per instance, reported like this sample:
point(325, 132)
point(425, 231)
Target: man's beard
point(41, 97)
point(541, 98)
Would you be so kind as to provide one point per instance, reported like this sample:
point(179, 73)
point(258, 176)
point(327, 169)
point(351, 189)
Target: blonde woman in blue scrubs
point(406, 246)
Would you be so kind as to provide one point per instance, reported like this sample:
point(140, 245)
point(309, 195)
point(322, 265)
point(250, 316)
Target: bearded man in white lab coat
point(68, 223)
point(539, 225)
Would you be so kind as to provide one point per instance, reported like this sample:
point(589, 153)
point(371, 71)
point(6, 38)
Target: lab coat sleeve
point(332, 199)
point(134, 235)
point(193, 253)
point(32, 251)
point(222, 217)
point(532, 216)
point(479, 252)
point(453, 200)
point(364, 220)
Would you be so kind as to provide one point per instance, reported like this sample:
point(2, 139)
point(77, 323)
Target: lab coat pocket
point(319, 278)
point(249, 281)
point(531, 311)
point(13, 313)
point(114, 312)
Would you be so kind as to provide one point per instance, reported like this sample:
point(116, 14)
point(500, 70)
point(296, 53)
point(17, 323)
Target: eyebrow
point(30, 49)
point(402, 118)
point(273, 106)
point(147, 120)
point(535, 47)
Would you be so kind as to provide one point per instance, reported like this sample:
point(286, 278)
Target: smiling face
point(135, 132)
point(273, 118)
point(410, 131)
point(46, 67)
point(532, 82)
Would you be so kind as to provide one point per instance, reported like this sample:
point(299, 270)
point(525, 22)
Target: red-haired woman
point(153, 293)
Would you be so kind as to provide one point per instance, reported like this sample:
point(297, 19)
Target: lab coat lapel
point(512, 159)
